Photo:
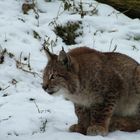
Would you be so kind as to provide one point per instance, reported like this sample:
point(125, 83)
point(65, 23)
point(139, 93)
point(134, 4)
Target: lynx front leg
point(100, 117)
point(83, 120)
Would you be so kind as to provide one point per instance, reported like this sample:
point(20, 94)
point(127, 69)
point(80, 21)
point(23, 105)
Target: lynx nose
point(45, 87)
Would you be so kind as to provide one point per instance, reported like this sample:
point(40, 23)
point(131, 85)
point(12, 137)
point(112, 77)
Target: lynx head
point(60, 73)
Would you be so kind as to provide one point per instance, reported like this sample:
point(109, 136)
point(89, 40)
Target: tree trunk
point(131, 8)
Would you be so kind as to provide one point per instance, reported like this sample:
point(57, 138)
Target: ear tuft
point(64, 58)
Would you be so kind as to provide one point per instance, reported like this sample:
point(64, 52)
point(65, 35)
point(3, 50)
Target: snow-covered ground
point(26, 111)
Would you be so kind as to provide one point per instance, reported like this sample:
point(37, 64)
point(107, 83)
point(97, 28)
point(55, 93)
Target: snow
point(26, 111)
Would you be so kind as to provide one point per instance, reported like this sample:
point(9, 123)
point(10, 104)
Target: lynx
point(104, 87)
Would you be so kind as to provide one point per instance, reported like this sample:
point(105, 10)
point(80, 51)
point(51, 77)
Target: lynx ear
point(64, 58)
point(48, 53)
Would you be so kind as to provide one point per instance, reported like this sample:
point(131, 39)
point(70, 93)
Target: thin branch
point(5, 88)
point(43, 127)
point(115, 48)
point(36, 12)
point(29, 66)
point(37, 106)
point(5, 119)
point(110, 44)
point(21, 65)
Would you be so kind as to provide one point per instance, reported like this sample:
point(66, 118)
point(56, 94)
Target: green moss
point(69, 32)
point(137, 38)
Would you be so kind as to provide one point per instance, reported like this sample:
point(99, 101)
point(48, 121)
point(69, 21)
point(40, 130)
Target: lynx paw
point(97, 130)
point(77, 128)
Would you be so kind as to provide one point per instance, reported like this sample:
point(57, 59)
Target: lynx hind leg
point(83, 115)
point(128, 124)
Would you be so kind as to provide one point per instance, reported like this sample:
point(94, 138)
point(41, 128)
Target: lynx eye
point(52, 76)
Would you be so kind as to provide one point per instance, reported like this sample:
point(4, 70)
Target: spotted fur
point(102, 86)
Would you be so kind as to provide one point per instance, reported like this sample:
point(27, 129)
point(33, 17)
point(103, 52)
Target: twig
point(20, 65)
point(29, 66)
point(36, 12)
point(37, 106)
point(110, 44)
point(54, 22)
point(82, 13)
point(5, 88)
point(48, 43)
point(2, 54)
point(27, 71)
point(114, 48)
point(5, 119)
point(43, 127)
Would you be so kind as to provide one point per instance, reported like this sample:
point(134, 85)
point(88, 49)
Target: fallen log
point(131, 8)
